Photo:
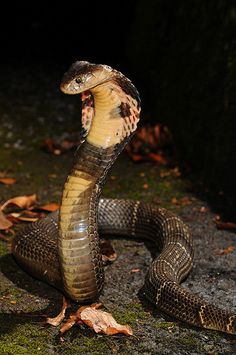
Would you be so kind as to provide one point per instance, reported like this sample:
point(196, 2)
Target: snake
point(63, 248)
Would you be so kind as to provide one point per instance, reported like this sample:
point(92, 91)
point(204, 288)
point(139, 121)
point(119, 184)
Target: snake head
point(83, 76)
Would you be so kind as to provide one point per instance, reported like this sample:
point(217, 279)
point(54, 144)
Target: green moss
point(3, 248)
point(133, 312)
point(26, 339)
point(13, 292)
point(188, 340)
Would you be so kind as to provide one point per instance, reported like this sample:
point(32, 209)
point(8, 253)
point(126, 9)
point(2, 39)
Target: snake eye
point(79, 80)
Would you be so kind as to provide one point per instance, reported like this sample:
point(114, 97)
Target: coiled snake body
point(63, 248)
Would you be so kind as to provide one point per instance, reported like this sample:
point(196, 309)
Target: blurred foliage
point(185, 54)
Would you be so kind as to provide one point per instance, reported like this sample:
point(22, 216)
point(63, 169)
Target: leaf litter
point(100, 321)
point(7, 181)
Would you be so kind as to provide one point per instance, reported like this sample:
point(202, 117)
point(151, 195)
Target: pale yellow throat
point(107, 124)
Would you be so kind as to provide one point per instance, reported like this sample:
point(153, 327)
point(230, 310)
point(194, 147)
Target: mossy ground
point(43, 112)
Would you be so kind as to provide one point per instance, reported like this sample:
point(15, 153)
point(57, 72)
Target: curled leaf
point(27, 201)
point(50, 207)
point(26, 216)
point(55, 321)
point(7, 181)
point(103, 322)
point(99, 321)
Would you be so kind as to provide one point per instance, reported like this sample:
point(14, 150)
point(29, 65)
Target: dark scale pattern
point(35, 248)
point(124, 110)
point(127, 86)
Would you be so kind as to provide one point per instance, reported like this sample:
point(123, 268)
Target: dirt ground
point(33, 110)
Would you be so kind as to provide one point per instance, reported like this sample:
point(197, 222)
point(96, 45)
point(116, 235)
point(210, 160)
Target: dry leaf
point(4, 222)
point(225, 251)
point(75, 318)
point(58, 148)
point(151, 143)
point(50, 207)
point(7, 181)
point(99, 321)
point(68, 324)
point(137, 157)
point(174, 201)
point(55, 321)
point(27, 201)
point(158, 158)
point(225, 225)
point(107, 250)
point(135, 270)
point(103, 322)
point(26, 216)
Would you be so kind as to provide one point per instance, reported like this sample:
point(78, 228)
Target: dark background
point(180, 54)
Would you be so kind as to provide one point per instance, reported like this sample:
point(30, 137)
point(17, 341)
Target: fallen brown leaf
point(50, 207)
point(107, 250)
point(75, 318)
point(55, 321)
point(25, 216)
point(151, 143)
point(157, 158)
point(4, 222)
point(225, 225)
point(7, 181)
point(174, 201)
point(225, 251)
point(27, 201)
point(137, 157)
point(103, 322)
point(58, 148)
point(145, 186)
point(99, 321)
point(135, 270)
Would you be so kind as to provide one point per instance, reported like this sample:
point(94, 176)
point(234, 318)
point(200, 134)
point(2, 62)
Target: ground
point(34, 109)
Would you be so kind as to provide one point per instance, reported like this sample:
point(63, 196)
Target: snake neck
point(110, 114)
point(80, 257)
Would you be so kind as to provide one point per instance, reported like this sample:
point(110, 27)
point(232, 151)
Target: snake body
point(63, 248)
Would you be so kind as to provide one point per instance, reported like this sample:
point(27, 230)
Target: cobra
point(63, 248)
